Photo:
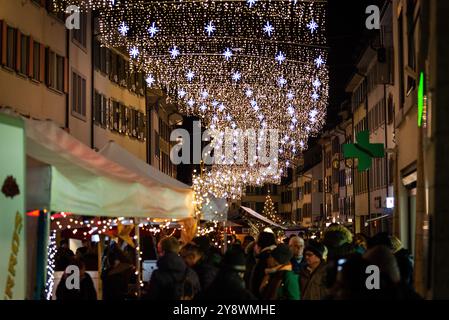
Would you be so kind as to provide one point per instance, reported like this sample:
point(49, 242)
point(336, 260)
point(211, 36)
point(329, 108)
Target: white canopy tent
point(262, 218)
point(216, 209)
point(68, 176)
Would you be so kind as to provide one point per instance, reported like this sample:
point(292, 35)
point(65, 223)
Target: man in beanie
point(280, 282)
point(265, 243)
point(313, 276)
point(229, 283)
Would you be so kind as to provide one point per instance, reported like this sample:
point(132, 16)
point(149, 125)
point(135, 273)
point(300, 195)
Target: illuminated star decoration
point(123, 29)
point(191, 102)
point(153, 30)
point(312, 26)
point(203, 107)
point(236, 76)
point(316, 83)
point(134, 52)
point(319, 61)
point(174, 52)
point(221, 107)
point(204, 94)
point(150, 80)
point(250, 3)
point(280, 57)
point(249, 93)
point(268, 28)
point(182, 93)
point(190, 75)
point(210, 28)
point(315, 96)
point(290, 95)
point(281, 81)
point(227, 54)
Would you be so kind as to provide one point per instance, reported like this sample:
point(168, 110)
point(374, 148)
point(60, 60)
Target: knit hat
point(282, 254)
point(235, 259)
point(317, 249)
point(266, 239)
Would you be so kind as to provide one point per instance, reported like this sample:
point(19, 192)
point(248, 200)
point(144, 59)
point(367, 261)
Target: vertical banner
point(12, 209)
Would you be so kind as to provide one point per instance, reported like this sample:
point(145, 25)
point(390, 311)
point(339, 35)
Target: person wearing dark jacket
point(229, 284)
point(296, 245)
point(313, 277)
point(173, 279)
point(117, 276)
point(404, 260)
point(86, 289)
point(194, 258)
point(266, 242)
point(280, 282)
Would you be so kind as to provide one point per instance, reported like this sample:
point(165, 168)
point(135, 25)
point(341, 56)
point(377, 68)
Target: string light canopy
point(249, 64)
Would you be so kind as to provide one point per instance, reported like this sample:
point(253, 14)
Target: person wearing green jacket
point(280, 281)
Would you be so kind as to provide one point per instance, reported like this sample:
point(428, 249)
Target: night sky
point(347, 37)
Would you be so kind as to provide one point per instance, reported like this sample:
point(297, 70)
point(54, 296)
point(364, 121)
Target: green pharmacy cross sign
point(363, 150)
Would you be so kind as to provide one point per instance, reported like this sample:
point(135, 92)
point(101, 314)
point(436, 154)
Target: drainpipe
point(67, 96)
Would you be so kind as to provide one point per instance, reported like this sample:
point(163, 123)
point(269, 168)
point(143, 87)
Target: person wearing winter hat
point(280, 282)
point(229, 283)
point(313, 276)
point(265, 243)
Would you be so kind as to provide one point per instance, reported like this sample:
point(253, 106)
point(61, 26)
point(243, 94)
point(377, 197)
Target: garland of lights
point(235, 64)
point(51, 253)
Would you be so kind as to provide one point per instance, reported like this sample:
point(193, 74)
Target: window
point(54, 74)
point(24, 54)
point(342, 178)
point(37, 61)
point(335, 203)
point(157, 142)
point(11, 47)
point(101, 109)
point(78, 95)
point(80, 35)
point(320, 185)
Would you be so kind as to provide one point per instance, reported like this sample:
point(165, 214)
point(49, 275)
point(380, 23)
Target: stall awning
point(69, 176)
point(261, 217)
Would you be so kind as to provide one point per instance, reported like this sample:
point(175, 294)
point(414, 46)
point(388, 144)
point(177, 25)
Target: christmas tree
point(269, 211)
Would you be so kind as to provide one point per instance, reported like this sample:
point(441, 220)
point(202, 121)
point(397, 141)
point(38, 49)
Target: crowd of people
point(333, 267)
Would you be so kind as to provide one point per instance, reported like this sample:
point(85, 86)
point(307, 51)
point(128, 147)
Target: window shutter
point(18, 49)
point(47, 67)
point(4, 37)
point(42, 63)
point(30, 57)
point(66, 75)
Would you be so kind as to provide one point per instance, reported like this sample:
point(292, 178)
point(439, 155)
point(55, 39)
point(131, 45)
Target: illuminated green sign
point(420, 99)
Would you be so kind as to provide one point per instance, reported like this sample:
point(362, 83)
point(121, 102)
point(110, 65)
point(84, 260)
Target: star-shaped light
point(236, 76)
point(249, 93)
point(204, 94)
point(210, 28)
point(280, 57)
point(294, 120)
point(268, 28)
point(190, 75)
point(150, 80)
point(282, 81)
point(221, 107)
point(153, 30)
point(253, 103)
point(174, 52)
point(250, 3)
point(203, 107)
point(319, 61)
point(291, 110)
point(290, 95)
point(316, 83)
point(315, 96)
point(214, 103)
point(312, 26)
point(228, 117)
point(182, 93)
point(134, 52)
point(313, 113)
point(191, 102)
point(123, 29)
point(227, 54)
